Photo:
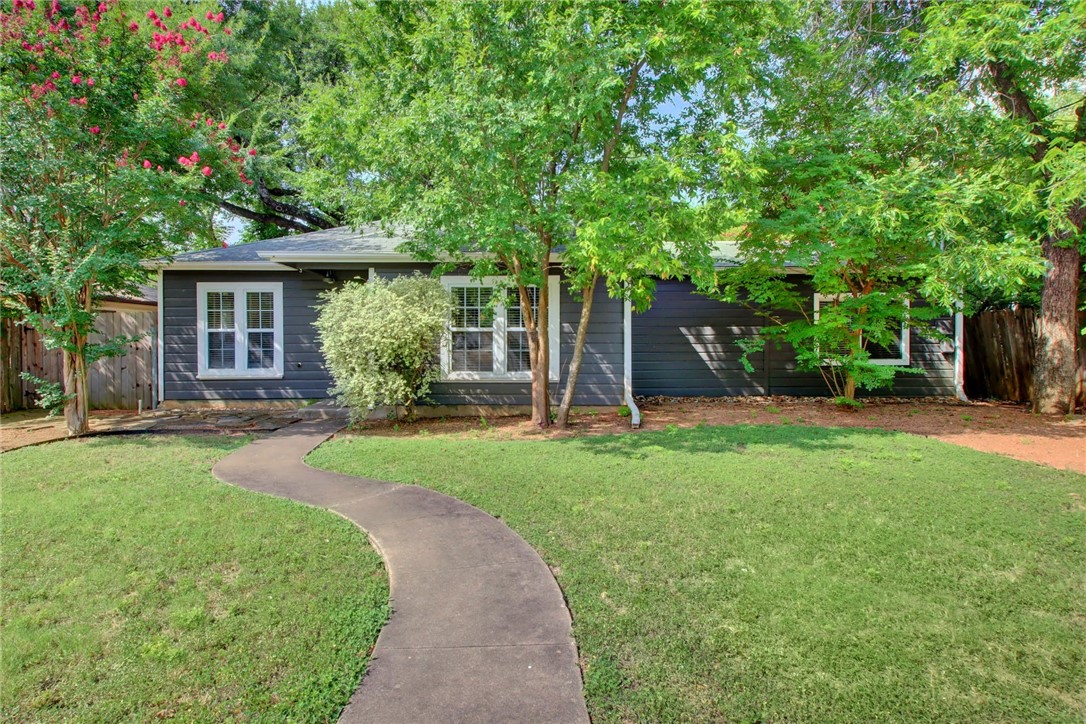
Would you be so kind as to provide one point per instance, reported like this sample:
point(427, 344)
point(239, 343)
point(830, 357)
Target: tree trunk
point(1055, 369)
point(578, 354)
point(75, 387)
point(539, 350)
point(850, 387)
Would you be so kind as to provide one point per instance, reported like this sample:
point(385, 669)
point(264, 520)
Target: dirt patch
point(1002, 428)
point(32, 427)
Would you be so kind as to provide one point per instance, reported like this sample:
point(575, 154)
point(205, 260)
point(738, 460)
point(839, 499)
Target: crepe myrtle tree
point(517, 138)
point(381, 339)
point(105, 159)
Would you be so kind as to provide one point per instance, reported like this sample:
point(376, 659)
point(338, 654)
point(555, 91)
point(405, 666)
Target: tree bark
point(541, 398)
point(1056, 367)
point(75, 386)
point(578, 354)
point(281, 221)
point(1054, 376)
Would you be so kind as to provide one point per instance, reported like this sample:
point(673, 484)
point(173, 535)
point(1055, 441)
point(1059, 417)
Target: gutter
point(627, 364)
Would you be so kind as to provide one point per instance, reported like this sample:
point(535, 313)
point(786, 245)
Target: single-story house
point(237, 327)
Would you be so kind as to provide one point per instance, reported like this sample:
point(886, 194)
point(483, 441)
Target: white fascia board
point(311, 258)
point(216, 266)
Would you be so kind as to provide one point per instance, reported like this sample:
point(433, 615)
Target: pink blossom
point(151, 15)
point(184, 161)
point(219, 17)
point(228, 31)
point(77, 79)
point(102, 7)
point(222, 126)
point(146, 163)
point(95, 130)
point(210, 15)
point(212, 55)
point(182, 202)
point(166, 11)
point(133, 26)
point(56, 75)
point(181, 82)
point(209, 122)
point(195, 157)
point(90, 81)
point(252, 151)
point(206, 170)
point(158, 168)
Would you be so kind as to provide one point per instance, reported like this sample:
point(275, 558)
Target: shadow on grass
point(726, 439)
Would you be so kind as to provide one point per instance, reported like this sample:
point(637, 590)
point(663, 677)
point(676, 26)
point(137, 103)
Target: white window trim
point(902, 361)
point(499, 329)
point(241, 350)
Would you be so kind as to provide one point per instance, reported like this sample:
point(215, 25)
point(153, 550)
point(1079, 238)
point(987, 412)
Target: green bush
point(381, 339)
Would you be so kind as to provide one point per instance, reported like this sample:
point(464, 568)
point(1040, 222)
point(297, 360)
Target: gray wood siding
point(305, 376)
point(687, 345)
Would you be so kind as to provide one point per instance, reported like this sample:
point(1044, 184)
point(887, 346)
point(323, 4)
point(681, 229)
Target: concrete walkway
point(479, 630)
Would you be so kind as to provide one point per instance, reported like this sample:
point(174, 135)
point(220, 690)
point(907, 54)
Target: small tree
point(380, 339)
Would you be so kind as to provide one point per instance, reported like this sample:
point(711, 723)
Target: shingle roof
point(371, 240)
point(370, 243)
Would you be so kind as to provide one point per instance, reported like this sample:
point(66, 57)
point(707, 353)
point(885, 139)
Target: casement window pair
point(240, 330)
point(487, 338)
point(897, 353)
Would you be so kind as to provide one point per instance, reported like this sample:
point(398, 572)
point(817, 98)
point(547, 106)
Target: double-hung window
point(488, 336)
point(896, 353)
point(239, 330)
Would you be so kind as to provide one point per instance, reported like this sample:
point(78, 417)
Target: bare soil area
point(1002, 428)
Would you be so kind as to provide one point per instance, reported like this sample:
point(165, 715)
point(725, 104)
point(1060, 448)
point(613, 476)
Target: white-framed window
point(487, 339)
point(897, 353)
point(239, 330)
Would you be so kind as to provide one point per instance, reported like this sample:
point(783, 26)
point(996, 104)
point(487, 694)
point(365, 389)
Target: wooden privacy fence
point(999, 349)
point(114, 383)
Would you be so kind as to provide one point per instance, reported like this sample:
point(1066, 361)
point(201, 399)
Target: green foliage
point(51, 397)
point(380, 340)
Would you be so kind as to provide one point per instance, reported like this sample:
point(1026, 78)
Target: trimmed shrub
point(381, 338)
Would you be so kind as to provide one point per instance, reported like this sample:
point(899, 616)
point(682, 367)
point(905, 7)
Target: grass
point(788, 573)
point(136, 587)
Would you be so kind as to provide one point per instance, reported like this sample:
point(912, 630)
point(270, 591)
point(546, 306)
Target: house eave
point(167, 265)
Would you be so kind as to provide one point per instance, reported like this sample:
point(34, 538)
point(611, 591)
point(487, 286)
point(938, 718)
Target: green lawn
point(137, 587)
point(788, 573)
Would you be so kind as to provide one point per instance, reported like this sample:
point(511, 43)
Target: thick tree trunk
point(1055, 369)
point(75, 386)
point(578, 355)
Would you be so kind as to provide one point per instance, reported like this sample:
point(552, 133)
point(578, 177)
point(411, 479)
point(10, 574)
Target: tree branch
point(280, 221)
point(315, 220)
point(1015, 103)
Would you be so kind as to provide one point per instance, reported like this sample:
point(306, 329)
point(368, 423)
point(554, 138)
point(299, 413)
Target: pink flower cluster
point(189, 160)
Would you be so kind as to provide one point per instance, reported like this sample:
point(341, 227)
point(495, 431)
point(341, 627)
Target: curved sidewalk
point(479, 629)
